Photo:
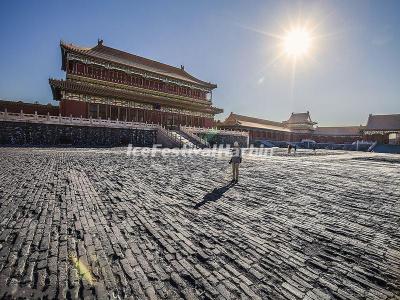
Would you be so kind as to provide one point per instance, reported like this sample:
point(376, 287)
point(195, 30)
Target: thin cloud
point(382, 40)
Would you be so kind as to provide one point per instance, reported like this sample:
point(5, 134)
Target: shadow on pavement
point(215, 194)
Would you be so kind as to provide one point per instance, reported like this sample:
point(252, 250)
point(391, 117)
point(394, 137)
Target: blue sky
point(353, 70)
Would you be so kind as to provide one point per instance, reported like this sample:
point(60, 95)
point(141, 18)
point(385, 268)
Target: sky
point(352, 70)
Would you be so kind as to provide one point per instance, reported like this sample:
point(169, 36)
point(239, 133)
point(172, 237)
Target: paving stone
point(94, 223)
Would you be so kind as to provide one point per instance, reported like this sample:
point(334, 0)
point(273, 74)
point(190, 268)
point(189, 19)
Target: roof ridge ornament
point(99, 42)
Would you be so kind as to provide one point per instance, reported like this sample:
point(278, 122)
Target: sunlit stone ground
point(96, 223)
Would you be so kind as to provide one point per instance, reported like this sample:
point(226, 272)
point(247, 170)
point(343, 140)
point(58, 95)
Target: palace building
point(298, 127)
point(383, 128)
point(300, 123)
point(258, 129)
point(103, 82)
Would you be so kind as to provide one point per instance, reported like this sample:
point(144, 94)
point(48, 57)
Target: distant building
point(298, 127)
point(103, 82)
point(258, 129)
point(300, 123)
point(340, 134)
point(383, 128)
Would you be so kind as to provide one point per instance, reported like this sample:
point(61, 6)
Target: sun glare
point(295, 46)
point(297, 42)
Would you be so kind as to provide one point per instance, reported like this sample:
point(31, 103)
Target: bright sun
point(297, 42)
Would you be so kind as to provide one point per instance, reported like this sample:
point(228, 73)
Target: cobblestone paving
point(98, 224)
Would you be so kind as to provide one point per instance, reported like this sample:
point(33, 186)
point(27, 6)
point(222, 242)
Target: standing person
point(236, 159)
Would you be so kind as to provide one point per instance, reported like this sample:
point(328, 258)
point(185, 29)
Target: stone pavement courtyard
point(95, 223)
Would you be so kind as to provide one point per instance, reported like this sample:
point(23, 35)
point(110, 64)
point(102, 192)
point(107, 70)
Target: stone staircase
point(188, 137)
point(194, 139)
point(174, 139)
point(184, 141)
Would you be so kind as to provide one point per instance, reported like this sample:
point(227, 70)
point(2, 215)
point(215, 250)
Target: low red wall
point(29, 108)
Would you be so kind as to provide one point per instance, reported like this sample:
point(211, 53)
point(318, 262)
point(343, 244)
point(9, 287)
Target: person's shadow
point(214, 195)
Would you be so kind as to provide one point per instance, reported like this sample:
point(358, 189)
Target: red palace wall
point(298, 137)
point(74, 108)
point(336, 139)
point(380, 138)
point(268, 135)
point(28, 108)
